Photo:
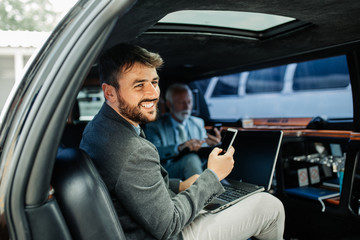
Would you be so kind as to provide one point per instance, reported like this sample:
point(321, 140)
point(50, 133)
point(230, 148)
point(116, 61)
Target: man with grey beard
point(178, 136)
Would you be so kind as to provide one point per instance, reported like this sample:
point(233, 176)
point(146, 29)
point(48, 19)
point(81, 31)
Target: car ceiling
point(189, 56)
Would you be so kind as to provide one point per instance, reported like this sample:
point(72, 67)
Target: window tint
point(307, 89)
point(266, 80)
point(202, 85)
point(227, 85)
point(322, 74)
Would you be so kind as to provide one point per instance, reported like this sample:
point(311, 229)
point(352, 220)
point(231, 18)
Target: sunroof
point(250, 25)
point(228, 19)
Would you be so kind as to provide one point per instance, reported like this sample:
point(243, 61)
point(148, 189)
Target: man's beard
point(134, 113)
point(183, 115)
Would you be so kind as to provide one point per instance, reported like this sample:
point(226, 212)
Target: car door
point(34, 115)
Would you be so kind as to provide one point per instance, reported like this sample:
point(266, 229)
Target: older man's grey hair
point(175, 88)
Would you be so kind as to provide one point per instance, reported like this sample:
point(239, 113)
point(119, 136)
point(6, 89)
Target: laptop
point(255, 157)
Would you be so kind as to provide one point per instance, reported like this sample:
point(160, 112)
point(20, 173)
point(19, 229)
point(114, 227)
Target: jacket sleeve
point(149, 201)
point(174, 184)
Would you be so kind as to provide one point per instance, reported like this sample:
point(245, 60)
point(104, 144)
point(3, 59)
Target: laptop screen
point(255, 156)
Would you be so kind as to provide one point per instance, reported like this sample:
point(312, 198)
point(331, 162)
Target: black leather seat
point(83, 197)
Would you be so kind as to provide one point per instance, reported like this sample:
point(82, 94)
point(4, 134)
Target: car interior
point(317, 175)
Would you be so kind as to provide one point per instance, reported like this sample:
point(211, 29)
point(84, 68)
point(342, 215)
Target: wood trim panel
point(281, 122)
point(355, 136)
point(297, 128)
point(322, 133)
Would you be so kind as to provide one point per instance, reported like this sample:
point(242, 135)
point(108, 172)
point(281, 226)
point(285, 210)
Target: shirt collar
point(176, 123)
point(137, 129)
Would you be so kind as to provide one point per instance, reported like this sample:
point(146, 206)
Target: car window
point(227, 86)
point(266, 80)
point(305, 89)
point(203, 84)
point(90, 100)
point(321, 74)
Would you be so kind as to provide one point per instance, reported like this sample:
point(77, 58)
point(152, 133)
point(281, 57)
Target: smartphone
point(228, 139)
point(216, 125)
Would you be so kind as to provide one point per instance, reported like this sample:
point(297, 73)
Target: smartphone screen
point(228, 139)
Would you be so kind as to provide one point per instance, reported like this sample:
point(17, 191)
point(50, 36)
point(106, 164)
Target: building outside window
point(16, 48)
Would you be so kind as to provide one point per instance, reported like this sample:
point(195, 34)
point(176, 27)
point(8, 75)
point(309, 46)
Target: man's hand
point(194, 145)
point(188, 182)
point(222, 165)
point(213, 140)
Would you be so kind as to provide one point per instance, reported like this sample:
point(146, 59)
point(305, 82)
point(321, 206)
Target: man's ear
point(109, 92)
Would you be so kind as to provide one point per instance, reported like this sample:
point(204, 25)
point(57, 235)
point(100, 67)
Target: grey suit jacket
point(162, 134)
point(147, 202)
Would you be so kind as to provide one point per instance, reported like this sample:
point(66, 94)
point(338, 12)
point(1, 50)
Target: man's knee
point(274, 222)
point(271, 200)
point(275, 202)
point(267, 204)
point(273, 208)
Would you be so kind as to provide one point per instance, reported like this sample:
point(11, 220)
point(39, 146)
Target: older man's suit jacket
point(162, 134)
point(146, 200)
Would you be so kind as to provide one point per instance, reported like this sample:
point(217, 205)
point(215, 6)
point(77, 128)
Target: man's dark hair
point(122, 57)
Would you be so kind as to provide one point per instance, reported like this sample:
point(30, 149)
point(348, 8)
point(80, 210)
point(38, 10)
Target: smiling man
point(142, 89)
point(149, 204)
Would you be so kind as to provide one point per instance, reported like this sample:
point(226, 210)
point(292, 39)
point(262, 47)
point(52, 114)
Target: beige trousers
point(260, 215)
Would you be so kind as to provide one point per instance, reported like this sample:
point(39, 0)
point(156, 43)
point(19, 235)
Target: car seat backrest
point(83, 197)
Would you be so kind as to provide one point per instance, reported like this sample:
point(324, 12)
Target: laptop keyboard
point(232, 193)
